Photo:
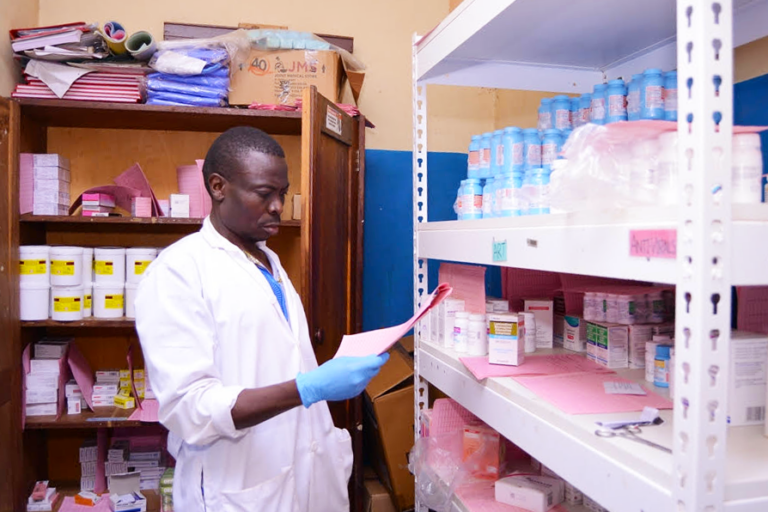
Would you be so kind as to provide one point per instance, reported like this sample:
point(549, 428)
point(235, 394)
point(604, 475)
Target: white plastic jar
point(477, 337)
point(88, 300)
point(67, 303)
point(130, 297)
point(66, 266)
point(461, 331)
point(87, 266)
point(747, 168)
point(35, 302)
point(34, 262)
point(529, 326)
point(108, 300)
point(137, 259)
point(109, 265)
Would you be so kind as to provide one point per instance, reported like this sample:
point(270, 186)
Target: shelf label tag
point(333, 120)
point(499, 251)
point(653, 243)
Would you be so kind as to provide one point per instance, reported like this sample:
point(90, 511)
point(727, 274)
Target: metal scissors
point(630, 432)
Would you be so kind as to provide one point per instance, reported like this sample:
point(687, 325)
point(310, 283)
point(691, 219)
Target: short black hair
point(227, 151)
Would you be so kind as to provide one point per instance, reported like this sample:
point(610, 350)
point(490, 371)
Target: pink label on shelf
point(653, 243)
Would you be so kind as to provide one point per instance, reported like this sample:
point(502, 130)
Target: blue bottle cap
point(498, 132)
point(638, 76)
point(487, 135)
point(561, 97)
point(618, 81)
point(652, 71)
point(670, 74)
point(472, 181)
point(663, 351)
point(552, 131)
point(512, 129)
point(600, 87)
point(476, 137)
point(531, 131)
point(587, 95)
point(544, 101)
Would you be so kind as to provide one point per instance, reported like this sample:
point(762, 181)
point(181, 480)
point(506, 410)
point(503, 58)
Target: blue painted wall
point(388, 235)
point(750, 107)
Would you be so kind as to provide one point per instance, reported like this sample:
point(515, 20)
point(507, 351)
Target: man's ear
point(218, 185)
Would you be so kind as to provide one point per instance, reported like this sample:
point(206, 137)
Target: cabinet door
point(11, 469)
point(331, 240)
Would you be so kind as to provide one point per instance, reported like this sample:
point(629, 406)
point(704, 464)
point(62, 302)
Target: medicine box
point(52, 348)
point(74, 406)
point(607, 344)
point(50, 160)
point(44, 366)
point(558, 331)
point(103, 401)
point(124, 402)
point(639, 335)
point(105, 389)
point(747, 379)
point(506, 345)
point(125, 374)
point(99, 200)
point(180, 206)
point(447, 316)
point(125, 493)
point(107, 376)
point(530, 492)
point(574, 333)
point(42, 409)
point(543, 313)
point(42, 396)
point(42, 380)
point(72, 389)
point(138, 374)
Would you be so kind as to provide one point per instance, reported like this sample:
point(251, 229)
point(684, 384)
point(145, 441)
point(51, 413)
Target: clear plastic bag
point(436, 463)
point(157, 86)
point(168, 98)
point(201, 56)
point(218, 80)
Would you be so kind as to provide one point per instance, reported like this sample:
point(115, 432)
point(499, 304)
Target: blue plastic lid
point(575, 100)
point(472, 181)
point(587, 95)
point(618, 81)
point(552, 131)
point(670, 74)
point(512, 129)
point(546, 100)
point(600, 87)
point(652, 71)
point(638, 76)
point(663, 351)
point(498, 132)
point(487, 135)
point(561, 97)
point(531, 131)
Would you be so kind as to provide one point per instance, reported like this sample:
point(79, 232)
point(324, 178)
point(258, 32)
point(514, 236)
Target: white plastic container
point(747, 168)
point(108, 300)
point(67, 303)
point(130, 296)
point(88, 300)
point(87, 266)
point(529, 324)
point(34, 263)
point(109, 265)
point(66, 266)
point(35, 301)
point(477, 340)
point(137, 259)
point(461, 331)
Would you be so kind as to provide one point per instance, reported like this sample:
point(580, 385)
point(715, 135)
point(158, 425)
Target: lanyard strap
point(277, 289)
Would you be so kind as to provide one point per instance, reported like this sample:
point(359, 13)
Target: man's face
point(253, 197)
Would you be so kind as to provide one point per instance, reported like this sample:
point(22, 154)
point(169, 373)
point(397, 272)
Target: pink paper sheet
point(69, 505)
point(468, 283)
point(26, 182)
point(123, 196)
point(25, 364)
point(518, 284)
point(206, 197)
point(63, 378)
point(752, 313)
point(480, 497)
point(583, 393)
point(379, 341)
point(82, 373)
point(653, 243)
point(134, 178)
point(449, 416)
point(556, 364)
point(147, 413)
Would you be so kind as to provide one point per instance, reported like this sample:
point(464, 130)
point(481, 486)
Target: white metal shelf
point(591, 243)
point(561, 45)
point(621, 475)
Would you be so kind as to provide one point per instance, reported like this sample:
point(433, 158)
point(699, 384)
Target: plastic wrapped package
point(201, 56)
point(162, 98)
point(181, 87)
point(216, 80)
point(436, 462)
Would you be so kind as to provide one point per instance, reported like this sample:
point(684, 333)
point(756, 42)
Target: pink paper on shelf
point(26, 182)
point(518, 284)
point(82, 373)
point(190, 181)
point(468, 283)
point(752, 313)
point(449, 416)
point(379, 341)
point(102, 443)
point(584, 393)
point(206, 198)
point(555, 364)
point(134, 178)
point(147, 413)
point(123, 196)
point(480, 496)
point(63, 378)
point(25, 364)
point(69, 505)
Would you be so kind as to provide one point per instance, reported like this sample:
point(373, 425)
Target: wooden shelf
point(130, 116)
point(86, 419)
point(73, 488)
point(132, 221)
point(115, 323)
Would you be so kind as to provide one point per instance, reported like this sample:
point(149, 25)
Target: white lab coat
point(210, 326)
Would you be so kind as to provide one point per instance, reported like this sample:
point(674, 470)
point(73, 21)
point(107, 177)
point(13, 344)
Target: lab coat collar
point(217, 240)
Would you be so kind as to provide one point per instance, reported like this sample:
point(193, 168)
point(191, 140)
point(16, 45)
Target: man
point(227, 350)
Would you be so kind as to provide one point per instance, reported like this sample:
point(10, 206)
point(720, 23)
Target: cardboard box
point(543, 312)
point(607, 344)
point(747, 381)
point(389, 425)
point(279, 77)
point(377, 498)
point(505, 343)
point(530, 492)
point(41, 396)
point(124, 485)
point(558, 330)
point(108, 376)
point(51, 348)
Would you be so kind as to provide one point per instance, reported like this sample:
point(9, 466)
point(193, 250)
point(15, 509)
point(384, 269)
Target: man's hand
point(338, 379)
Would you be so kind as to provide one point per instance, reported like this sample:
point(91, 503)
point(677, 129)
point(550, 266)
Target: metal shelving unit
point(566, 47)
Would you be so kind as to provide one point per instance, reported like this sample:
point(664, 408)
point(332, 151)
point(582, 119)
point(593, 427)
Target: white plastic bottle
point(477, 336)
point(747, 168)
point(529, 321)
point(461, 331)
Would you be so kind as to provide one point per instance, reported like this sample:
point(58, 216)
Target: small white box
point(74, 406)
point(51, 197)
point(558, 319)
point(88, 483)
point(107, 376)
point(42, 396)
point(296, 207)
point(50, 366)
point(543, 312)
point(88, 468)
point(447, 317)
point(42, 410)
point(42, 380)
point(180, 206)
point(103, 401)
point(89, 452)
point(128, 484)
point(506, 345)
point(50, 186)
point(747, 383)
point(574, 333)
point(50, 209)
point(607, 344)
point(531, 492)
point(50, 160)
point(105, 389)
point(52, 348)
point(72, 390)
point(52, 173)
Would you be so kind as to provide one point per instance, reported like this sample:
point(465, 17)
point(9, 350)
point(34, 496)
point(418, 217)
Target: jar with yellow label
point(66, 266)
point(34, 263)
point(67, 303)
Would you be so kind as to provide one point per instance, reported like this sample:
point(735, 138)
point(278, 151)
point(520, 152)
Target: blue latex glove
point(338, 379)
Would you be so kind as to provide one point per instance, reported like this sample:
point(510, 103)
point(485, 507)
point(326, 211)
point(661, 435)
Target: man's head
point(247, 178)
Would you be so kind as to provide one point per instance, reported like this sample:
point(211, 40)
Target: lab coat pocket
point(345, 455)
point(278, 494)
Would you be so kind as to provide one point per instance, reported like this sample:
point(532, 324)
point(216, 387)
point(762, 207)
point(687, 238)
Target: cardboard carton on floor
point(377, 499)
point(389, 426)
point(279, 77)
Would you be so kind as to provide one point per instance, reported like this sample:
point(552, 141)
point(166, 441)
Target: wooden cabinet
point(322, 253)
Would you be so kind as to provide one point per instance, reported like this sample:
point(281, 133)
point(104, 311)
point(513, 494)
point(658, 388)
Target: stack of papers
point(190, 179)
point(51, 81)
